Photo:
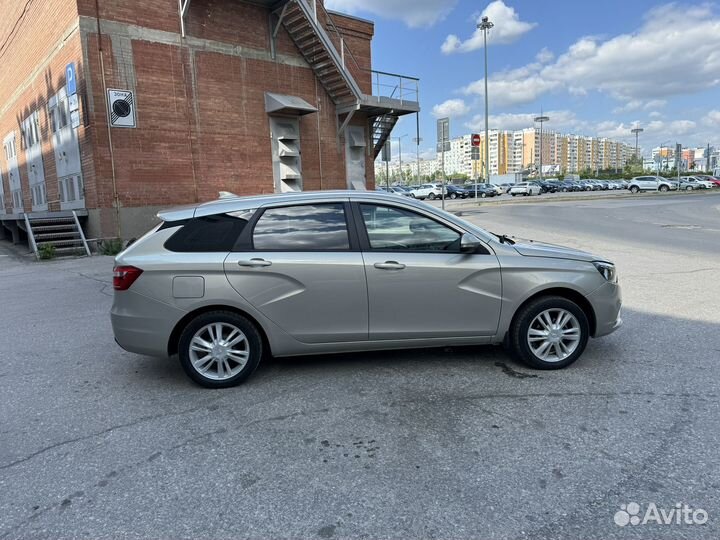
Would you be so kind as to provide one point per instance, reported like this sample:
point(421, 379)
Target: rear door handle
point(255, 263)
point(389, 265)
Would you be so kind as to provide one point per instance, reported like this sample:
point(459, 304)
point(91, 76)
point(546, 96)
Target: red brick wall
point(33, 69)
point(201, 121)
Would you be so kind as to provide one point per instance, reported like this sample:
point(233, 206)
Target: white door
point(33, 158)
point(67, 153)
point(10, 149)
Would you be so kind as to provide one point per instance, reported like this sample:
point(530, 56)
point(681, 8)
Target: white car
point(651, 183)
point(699, 182)
point(497, 189)
point(525, 188)
point(428, 191)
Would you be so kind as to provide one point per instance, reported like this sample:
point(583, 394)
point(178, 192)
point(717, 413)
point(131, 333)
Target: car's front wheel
point(219, 349)
point(550, 332)
point(634, 189)
point(453, 195)
point(664, 188)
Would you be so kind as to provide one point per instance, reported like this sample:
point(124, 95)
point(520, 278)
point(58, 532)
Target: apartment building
point(111, 110)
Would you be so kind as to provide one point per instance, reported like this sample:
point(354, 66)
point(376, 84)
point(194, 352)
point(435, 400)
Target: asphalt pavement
point(437, 443)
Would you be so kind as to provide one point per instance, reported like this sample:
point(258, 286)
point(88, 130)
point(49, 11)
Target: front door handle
point(255, 263)
point(389, 265)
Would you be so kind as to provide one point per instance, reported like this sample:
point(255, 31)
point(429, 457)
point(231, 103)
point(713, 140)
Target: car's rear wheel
point(219, 349)
point(431, 196)
point(550, 332)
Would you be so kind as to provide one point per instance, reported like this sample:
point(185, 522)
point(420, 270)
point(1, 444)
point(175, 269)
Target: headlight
point(607, 270)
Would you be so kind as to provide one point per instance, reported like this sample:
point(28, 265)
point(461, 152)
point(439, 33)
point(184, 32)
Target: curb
point(540, 199)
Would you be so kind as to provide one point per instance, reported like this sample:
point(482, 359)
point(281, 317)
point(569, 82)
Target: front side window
point(308, 227)
point(396, 229)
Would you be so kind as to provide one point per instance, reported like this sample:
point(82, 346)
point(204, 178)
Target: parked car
point(455, 192)
point(223, 284)
point(400, 190)
point(702, 183)
point(506, 187)
point(525, 188)
point(428, 191)
point(651, 183)
point(711, 179)
point(548, 186)
point(499, 190)
point(483, 190)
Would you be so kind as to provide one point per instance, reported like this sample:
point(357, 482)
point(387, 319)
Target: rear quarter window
point(209, 233)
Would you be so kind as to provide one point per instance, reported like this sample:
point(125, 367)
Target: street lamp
point(541, 119)
point(486, 25)
point(399, 140)
point(637, 131)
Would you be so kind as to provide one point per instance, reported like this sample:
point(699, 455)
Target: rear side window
point(209, 233)
point(308, 227)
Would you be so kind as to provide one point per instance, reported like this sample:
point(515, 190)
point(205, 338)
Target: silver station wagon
point(222, 284)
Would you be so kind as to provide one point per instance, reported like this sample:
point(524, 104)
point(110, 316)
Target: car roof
point(238, 203)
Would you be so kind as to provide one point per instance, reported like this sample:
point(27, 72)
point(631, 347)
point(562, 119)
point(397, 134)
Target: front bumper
point(607, 305)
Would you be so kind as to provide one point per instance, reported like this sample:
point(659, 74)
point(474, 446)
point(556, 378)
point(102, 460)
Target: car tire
point(483, 195)
point(431, 196)
point(634, 189)
point(525, 327)
point(513, 194)
point(689, 188)
point(453, 196)
point(206, 326)
point(663, 188)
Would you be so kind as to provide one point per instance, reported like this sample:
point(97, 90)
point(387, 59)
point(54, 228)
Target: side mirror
point(469, 243)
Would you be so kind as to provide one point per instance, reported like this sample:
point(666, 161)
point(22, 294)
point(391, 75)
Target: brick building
point(115, 109)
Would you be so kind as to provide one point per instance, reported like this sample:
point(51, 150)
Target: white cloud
point(674, 39)
point(561, 120)
point(544, 56)
point(653, 130)
point(712, 118)
point(655, 114)
point(451, 108)
point(420, 13)
point(513, 87)
point(508, 28)
point(637, 69)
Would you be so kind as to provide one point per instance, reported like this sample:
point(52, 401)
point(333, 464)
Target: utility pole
point(399, 139)
point(541, 119)
point(417, 144)
point(486, 25)
point(637, 131)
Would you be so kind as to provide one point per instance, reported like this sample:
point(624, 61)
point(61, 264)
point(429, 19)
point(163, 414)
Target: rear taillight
point(124, 277)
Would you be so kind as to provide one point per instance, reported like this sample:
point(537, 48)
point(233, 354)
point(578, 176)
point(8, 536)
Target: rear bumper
point(143, 325)
point(607, 305)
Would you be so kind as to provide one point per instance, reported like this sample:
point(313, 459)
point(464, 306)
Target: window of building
point(396, 229)
point(309, 227)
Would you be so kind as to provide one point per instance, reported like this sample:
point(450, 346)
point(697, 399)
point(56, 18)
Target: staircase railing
point(395, 86)
point(82, 234)
point(31, 236)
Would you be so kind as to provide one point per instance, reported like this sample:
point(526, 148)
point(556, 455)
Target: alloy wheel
point(219, 351)
point(553, 335)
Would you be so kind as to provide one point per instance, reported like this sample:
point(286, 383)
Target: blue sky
point(596, 68)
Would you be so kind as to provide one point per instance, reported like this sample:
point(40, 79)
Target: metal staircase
point(63, 232)
point(382, 126)
point(300, 19)
point(322, 45)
